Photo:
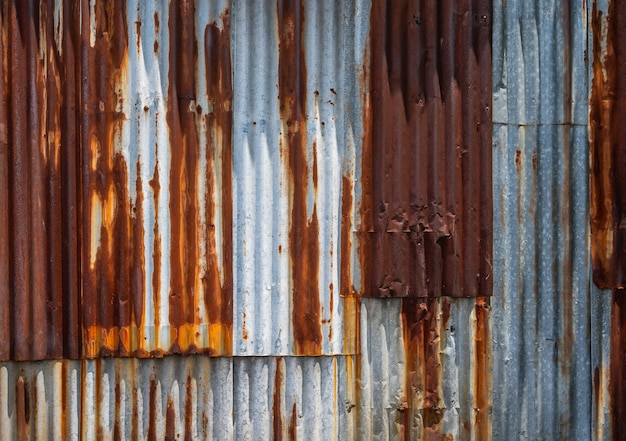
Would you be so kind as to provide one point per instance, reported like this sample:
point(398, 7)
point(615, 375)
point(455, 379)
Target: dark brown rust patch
point(304, 228)
point(170, 422)
point(152, 408)
point(22, 410)
point(617, 379)
point(189, 409)
point(429, 124)
point(608, 148)
point(37, 161)
point(5, 279)
point(219, 294)
point(277, 406)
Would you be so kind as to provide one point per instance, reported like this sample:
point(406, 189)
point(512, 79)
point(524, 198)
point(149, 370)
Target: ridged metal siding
point(541, 307)
point(427, 210)
point(533, 361)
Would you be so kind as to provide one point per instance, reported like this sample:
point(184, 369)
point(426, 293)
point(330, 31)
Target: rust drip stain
point(304, 228)
point(482, 370)
point(346, 286)
point(185, 155)
point(429, 119)
point(22, 409)
point(617, 378)
point(152, 411)
point(170, 422)
point(189, 412)
point(277, 406)
point(217, 284)
point(608, 150)
point(155, 184)
point(293, 423)
point(421, 339)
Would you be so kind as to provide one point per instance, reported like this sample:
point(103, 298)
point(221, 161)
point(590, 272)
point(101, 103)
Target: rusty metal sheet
point(427, 207)
point(156, 178)
point(38, 157)
point(608, 150)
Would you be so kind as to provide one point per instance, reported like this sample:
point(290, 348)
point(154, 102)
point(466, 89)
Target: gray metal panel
point(392, 394)
point(539, 66)
point(266, 301)
point(181, 397)
point(293, 398)
point(541, 314)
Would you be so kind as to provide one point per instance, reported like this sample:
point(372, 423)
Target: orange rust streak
point(482, 372)
point(304, 231)
point(219, 295)
point(346, 287)
point(184, 213)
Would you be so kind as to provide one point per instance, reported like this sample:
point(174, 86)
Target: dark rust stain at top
point(428, 132)
point(304, 228)
point(608, 147)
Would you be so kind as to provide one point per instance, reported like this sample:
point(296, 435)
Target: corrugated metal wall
point(189, 177)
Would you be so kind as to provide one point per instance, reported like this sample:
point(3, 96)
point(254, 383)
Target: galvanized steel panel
point(106, 399)
point(541, 302)
point(293, 157)
point(425, 369)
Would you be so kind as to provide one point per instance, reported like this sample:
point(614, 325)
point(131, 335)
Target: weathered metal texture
point(117, 398)
point(428, 375)
point(294, 398)
point(213, 207)
point(295, 69)
point(156, 178)
point(38, 146)
point(608, 150)
point(601, 342)
point(541, 302)
point(427, 207)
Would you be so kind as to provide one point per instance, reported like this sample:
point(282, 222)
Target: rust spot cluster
point(427, 208)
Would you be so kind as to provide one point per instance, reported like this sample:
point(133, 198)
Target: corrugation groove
point(608, 149)
point(427, 214)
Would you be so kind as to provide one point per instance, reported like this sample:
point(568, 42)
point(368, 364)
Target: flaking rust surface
point(427, 214)
point(608, 146)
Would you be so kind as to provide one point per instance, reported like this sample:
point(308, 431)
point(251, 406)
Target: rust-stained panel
point(427, 204)
point(156, 143)
point(38, 139)
point(608, 146)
